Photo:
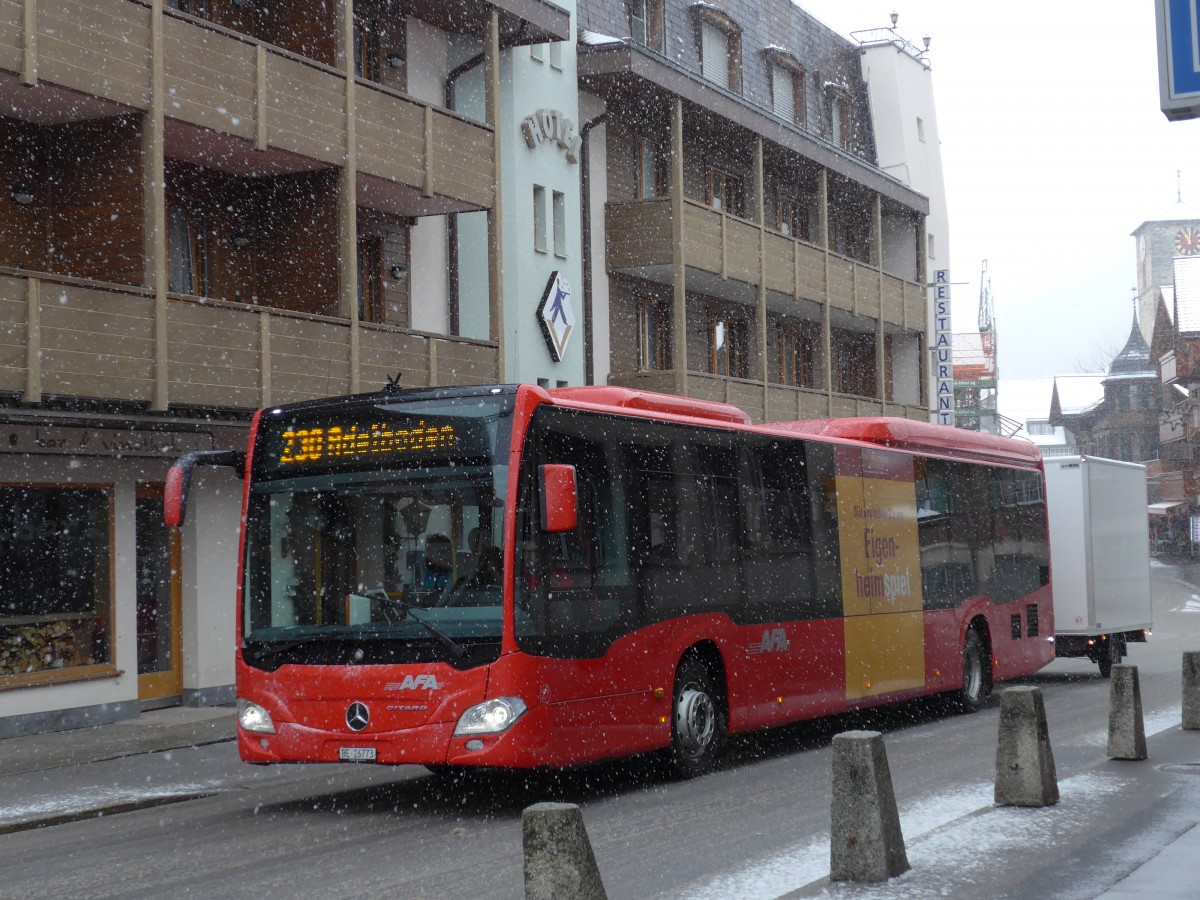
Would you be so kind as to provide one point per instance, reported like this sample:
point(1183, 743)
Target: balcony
point(220, 81)
point(783, 403)
point(640, 235)
point(74, 338)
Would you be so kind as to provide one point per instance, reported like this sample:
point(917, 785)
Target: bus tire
point(699, 721)
point(977, 674)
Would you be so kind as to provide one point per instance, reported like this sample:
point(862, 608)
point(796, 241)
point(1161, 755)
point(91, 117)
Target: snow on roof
point(1187, 294)
point(1079, 393)
point(595, 39)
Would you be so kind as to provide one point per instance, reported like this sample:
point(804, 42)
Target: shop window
point(652, 335)
point(187, 250)
point(724, 192)
point(727, 342)
point(56, 580)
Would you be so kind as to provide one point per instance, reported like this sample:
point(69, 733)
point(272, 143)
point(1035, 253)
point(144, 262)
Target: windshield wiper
point(406, 612)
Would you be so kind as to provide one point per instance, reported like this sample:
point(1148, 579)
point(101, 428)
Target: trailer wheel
point(699, 722)
point(977, 674)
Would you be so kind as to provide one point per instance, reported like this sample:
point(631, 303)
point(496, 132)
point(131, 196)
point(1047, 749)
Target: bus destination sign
point(308, 446)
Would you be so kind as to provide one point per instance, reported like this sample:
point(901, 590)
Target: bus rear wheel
point(977, 674)
point(699, 721)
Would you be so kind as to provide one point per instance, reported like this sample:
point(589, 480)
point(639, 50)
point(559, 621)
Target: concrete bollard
point(1126, 731)
point(865, 841)
point(1191, 691)
point(1024, 761)
point(558, 855)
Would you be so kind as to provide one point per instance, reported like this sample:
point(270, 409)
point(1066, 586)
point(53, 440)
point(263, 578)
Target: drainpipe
point(585, 234)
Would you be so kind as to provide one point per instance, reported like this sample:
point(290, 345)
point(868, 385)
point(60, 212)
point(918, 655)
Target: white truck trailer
point(1099, 556)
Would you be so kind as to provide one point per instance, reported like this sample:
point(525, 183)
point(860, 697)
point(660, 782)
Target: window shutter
point(783, 94)
point(714, 54)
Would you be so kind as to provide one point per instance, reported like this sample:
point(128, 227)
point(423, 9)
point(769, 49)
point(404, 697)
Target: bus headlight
point(491, 716)
point(253, 717)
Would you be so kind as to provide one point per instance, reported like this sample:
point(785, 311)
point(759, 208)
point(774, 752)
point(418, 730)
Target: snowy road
point(757, 828)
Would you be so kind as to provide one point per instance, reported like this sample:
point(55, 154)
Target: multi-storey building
point(744, 244)
point(209, 206)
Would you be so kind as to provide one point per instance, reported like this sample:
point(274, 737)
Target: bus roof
point(919, 437)
point(652, 402)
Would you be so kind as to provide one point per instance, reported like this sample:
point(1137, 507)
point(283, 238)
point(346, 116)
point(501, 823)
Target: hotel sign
point(943, 351)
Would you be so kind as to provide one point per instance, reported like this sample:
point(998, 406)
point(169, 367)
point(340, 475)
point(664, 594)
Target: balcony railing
point(227, 82)
point(783, 403)
point(639, 234)
point(67, 337)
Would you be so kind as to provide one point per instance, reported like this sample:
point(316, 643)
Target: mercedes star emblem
point(357, 716)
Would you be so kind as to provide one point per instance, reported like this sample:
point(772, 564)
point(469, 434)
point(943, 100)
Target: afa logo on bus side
point(881, 572)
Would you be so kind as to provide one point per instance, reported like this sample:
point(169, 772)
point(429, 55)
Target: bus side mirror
point(179, 479)
point(560, 503)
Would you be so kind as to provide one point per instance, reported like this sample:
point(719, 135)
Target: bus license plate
point(356, 754)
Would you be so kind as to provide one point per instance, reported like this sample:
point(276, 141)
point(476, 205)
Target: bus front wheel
point(977, 674)
point(699, 723)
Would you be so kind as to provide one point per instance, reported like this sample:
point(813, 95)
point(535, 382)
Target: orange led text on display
point(311, 445)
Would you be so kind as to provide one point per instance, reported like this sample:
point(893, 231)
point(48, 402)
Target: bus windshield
point(373, 532)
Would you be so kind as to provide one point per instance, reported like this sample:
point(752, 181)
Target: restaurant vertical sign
point(943, 352)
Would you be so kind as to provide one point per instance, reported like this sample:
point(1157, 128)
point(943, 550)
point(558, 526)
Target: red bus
point(508, 576)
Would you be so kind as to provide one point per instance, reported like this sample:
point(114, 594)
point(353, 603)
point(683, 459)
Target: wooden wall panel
point(893, 300)
point(209, 78)
point(741, 244)
point(463, 363)
point(384, 353)
point(637, 233)
point(98, 47)
point(22, 228)
point(298, 263)
point(308, 359)
point(390, 135)
point(214, 355)
point(12, 16)
point(866, 291)
point(306, 110)
point(97, 343)
point(812, 272)
point(781, 268)
point(702, 237)
point(462, 160)
point(95, 170)
point(13, 332)
point(915, 307)
point(841, 283)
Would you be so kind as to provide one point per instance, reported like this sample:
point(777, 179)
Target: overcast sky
point(1054, 149)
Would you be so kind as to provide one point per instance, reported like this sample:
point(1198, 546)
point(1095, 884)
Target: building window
point(790, 218)
point(797, 355)
point(539, 218)
point(652, 335)
point(853, 362)
point(930, 246)
point(720, 48)
point(646, 23)
point(56, 583)
point(370, 280)
point(724, 192)
point(187, 251)
point(651, 170)
point(841, 119)
point(366, 49)
point(1039, 427)
point(537, 52)
point(920, 129)
point(560, 224)
point(556, 55)
point(727, 340)
point(191, 7)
